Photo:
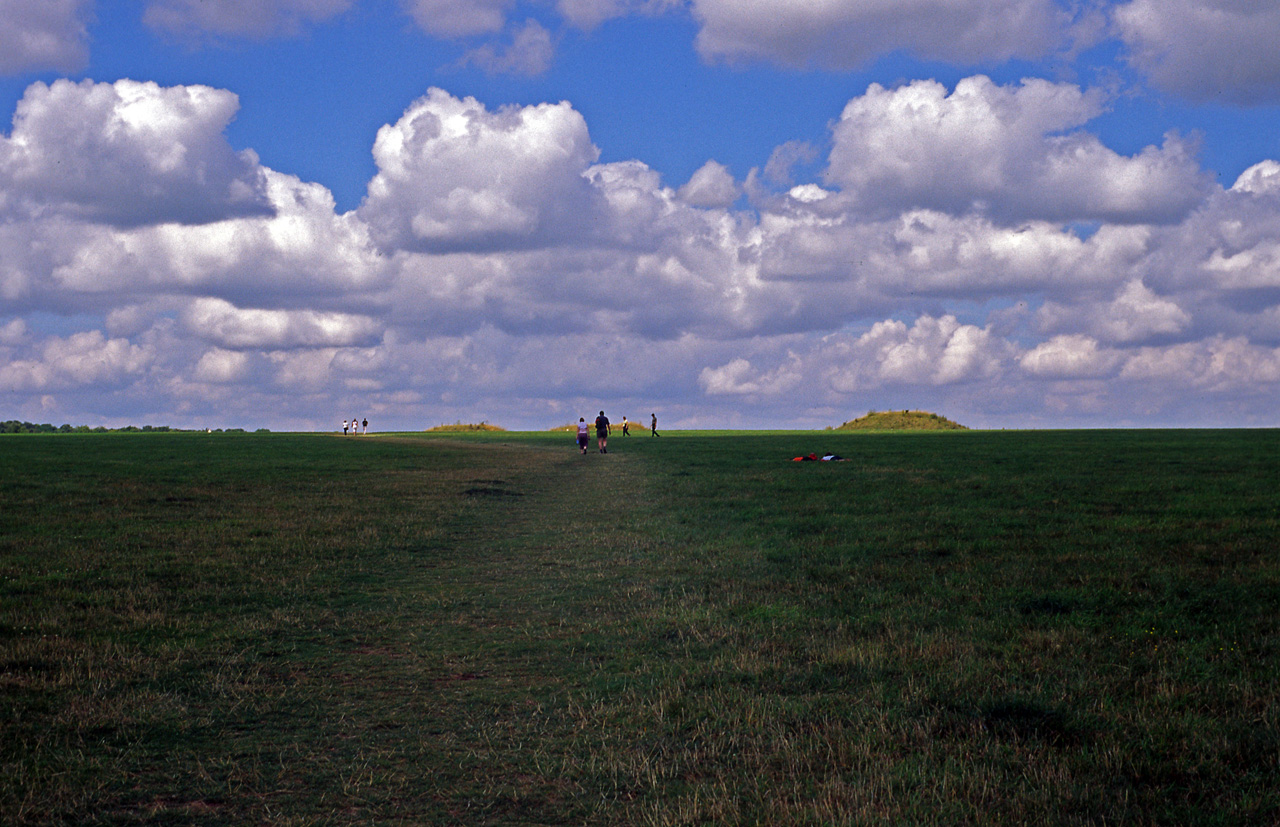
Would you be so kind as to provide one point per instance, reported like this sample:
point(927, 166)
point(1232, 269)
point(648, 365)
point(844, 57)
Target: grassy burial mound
point(463, 427)
point(901, 421)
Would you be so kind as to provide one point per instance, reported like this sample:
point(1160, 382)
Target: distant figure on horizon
point(365, 423)
point(653, 426)
point(355, 426)
point(344, 427)
point(584, 434)
point(625, 426)
point(602, 432)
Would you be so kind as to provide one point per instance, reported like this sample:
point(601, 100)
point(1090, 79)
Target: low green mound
point(901, 421)
point(464, 426)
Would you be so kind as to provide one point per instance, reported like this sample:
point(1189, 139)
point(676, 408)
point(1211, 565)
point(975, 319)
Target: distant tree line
point(13, 426)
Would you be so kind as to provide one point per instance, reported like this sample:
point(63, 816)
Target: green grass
point(980, 628)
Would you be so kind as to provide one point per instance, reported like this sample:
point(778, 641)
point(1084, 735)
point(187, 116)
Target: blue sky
point(282, 213)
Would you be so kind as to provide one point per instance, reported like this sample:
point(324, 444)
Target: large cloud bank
point(975, 249)
point(1203, 49)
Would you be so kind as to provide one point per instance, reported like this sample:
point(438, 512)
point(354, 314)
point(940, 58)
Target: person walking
point(653, 426)
point(602, 432)
point(344, 427)
point(365, 423)
point(625, 426)
point(584, 434)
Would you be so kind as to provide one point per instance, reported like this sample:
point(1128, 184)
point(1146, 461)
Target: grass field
point(949, 628)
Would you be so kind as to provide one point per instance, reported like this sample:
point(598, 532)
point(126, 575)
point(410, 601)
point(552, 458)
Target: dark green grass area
point(965, 628)
point(1075, 627)
point(302, 629)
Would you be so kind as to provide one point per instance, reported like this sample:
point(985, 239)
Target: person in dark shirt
point(602, 432)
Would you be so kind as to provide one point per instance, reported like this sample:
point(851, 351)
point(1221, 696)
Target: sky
point(731, 213)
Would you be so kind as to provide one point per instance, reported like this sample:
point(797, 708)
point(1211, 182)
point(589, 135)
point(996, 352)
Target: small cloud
point(48, 34)
point(711, 186)
point(531, 53)
point(195, 19)
point(1262, 178)
point(458, 18)
point(784, 158)
point(588, 14)
point(740, 378)
point(808, 193)
point(13, 333)
point(1071, 356)
point(218, 366)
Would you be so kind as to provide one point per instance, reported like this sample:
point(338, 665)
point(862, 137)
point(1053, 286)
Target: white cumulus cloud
point(1070, 356)
point(933, 350)
point(1135, 314)
point(220, 366)
point(1218, 364)
point(232, 327)
point(128, 154)
point(302, 251)
point(82, 359)
point(1014, 152)
point(739, 378)
point(1263, 178)
point(453, 175)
